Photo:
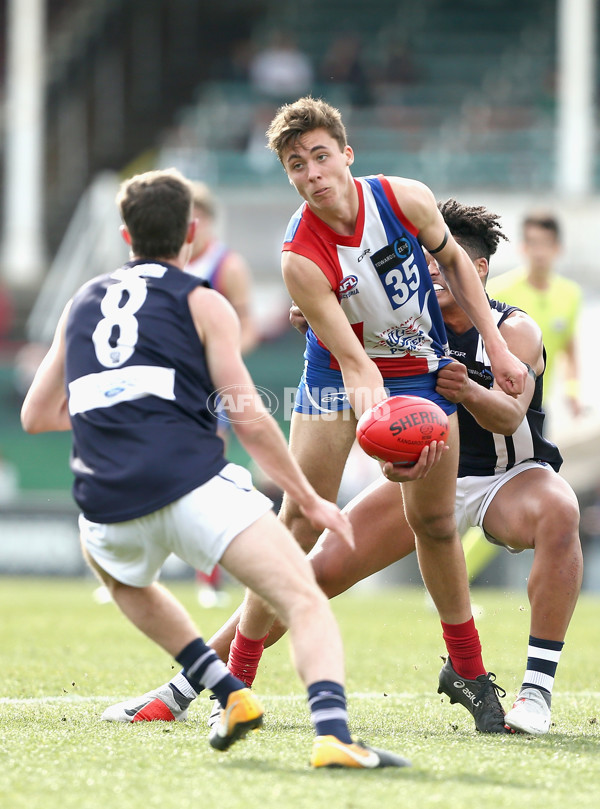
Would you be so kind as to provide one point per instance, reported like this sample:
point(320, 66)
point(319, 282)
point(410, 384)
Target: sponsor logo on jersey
point(480, 374)
point(392, 255)
point(363, 254)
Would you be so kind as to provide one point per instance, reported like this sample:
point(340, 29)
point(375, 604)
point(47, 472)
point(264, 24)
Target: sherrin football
point(398, 428)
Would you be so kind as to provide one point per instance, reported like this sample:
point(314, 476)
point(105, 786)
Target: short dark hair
point(475, 228)
point(156, 208)
point(302, 116)
point(545, 220)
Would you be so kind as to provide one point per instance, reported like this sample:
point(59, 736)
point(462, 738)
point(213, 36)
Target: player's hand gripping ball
point(398, 428)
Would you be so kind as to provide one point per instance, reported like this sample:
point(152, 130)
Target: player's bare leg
point(320, 444)
point(538, 509)
point(153, 610)
point(163, 619)
point(278, 572)
point(382, 536)
point(543, 515)
point(429, 504)
point(268, 560)
point(312, 438)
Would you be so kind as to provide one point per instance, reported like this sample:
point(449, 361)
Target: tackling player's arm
point(219, 330)
point(45, 407)
point(313, 295)
point(492, 408)
point(418, 203)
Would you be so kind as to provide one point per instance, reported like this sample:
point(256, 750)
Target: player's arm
point(313, 295)
point(45, 407)
point(418, 203)
point(492, 408)
point(297, 319)
point(236, 285)
point(219, 330)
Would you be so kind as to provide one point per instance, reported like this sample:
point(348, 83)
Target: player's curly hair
point(474, 227)
point(302, 116)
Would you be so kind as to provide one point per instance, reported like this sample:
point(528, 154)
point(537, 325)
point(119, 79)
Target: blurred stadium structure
point(488, 101)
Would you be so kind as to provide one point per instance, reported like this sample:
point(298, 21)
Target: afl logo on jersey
point(348, 286)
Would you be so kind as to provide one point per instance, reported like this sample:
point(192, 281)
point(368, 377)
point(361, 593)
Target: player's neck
point(456, 319)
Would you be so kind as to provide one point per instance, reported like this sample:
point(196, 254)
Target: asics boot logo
point(468, 693)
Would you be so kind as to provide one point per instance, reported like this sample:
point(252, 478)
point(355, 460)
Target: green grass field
point(64, 658)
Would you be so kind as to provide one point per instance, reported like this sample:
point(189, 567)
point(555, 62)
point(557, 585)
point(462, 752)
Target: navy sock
point(202, 668)
point(327, 703)
point(542, 660)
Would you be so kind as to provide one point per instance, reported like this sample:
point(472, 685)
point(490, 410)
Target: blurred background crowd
point(493, 103)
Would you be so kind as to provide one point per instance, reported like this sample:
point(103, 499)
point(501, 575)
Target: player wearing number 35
point(136, 357)
point(354, 264)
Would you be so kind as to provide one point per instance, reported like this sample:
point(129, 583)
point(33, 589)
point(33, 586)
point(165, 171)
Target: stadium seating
point(476, 111)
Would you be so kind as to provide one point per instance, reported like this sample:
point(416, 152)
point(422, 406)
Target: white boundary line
point(76, 698)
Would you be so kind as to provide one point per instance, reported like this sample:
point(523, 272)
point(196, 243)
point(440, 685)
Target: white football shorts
point(197, 528)
point(474, 495)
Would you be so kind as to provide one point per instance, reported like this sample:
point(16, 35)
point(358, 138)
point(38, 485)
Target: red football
point(398, 428)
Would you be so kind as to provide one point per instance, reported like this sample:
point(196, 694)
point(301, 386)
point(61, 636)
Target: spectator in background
point(344, 63)
point(281, 70)
point(553, 301)
point(399, 67)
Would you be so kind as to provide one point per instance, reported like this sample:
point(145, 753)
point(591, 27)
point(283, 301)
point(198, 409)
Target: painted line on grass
point(359, 695)
point(75, 698)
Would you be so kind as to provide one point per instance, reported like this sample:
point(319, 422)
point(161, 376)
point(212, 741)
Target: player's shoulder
point(211, 311)
point(206, 296)
point(415, 199)
point(407, 189)
point(518, 321)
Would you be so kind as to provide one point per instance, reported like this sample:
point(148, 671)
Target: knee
point(558, 528)
point(435, 527)
point(330, 575)
point(304, 604)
